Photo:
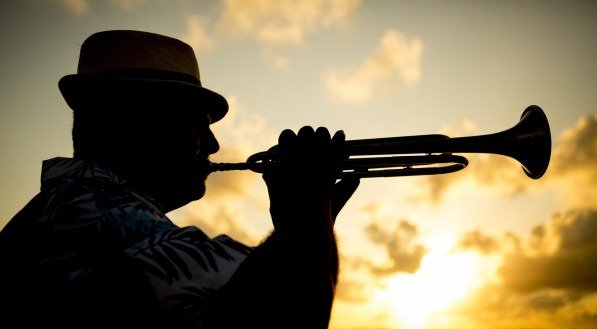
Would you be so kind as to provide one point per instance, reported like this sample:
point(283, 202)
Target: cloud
point(243, 131)
point(77, 7)
point(544, 280)
point(574, 163)
point(134, 4)
point(272, 23)
point(577, 148)
point(403, 252)
point(394, 65)
point(82, 7)
point(197, 35)
point(282, 22)
point(542, 309)
point(560, 255)
point(547, 301)
point(477, 240)
point(573, 167)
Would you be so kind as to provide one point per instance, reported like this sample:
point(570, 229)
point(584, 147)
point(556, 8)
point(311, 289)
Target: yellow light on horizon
point(444, 279)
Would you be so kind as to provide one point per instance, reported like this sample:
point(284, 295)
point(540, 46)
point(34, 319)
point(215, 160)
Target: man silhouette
point(95, 249)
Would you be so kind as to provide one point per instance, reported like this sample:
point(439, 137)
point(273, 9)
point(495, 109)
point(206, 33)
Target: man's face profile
point(160, 143)
point(182, 144)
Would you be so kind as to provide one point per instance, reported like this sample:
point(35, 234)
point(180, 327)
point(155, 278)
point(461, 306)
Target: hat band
point(152, 74)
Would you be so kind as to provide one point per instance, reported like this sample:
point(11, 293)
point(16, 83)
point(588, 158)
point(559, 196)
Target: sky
point(486, 247)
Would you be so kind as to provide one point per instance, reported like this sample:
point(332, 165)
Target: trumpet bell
point(532, 139)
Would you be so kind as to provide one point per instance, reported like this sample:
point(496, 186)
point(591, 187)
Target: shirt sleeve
point(186, 268)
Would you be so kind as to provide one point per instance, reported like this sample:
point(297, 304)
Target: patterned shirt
point(86, 225)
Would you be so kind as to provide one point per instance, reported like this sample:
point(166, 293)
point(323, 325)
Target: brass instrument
point(529, 142)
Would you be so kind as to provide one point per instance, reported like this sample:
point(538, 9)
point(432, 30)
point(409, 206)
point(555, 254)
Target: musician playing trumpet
point(95, 248)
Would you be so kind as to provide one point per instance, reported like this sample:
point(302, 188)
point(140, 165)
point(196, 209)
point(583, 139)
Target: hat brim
point(78, 89)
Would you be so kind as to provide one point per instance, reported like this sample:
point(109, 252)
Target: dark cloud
point(577, 148)
point(547, 302)
point(547, 279)
point(400, 244)
point(561, 256)
point(502, 308)
point(574, 163)
point(477, 240)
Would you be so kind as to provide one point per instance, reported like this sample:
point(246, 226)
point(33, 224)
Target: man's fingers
point(339, 137)
point(286, 137)
point(322, 135)
point(306, 132)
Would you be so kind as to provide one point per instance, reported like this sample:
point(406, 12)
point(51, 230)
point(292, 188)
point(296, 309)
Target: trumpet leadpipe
point(223, 166)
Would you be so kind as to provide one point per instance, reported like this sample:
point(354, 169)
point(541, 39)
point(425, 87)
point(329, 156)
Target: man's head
point(139, 108)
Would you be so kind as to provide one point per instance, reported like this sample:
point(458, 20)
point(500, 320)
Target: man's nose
point(211, 145)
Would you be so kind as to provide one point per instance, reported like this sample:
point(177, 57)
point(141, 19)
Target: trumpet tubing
point(529, 142)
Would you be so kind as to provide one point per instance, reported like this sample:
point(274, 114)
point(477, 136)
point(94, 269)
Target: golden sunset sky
point(483, 248)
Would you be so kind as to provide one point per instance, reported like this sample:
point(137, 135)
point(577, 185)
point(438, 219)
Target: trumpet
point(528, 142)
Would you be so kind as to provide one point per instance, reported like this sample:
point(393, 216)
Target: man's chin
point(199, 187)
point(182, 195)
point(199, 192)
point(195, 188)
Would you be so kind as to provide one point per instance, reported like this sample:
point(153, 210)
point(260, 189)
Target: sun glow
point(422, 299)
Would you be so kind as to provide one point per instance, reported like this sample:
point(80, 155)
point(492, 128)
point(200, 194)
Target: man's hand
point(299, 260)
point(304, 181)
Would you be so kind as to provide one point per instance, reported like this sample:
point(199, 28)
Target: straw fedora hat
point(142, 65)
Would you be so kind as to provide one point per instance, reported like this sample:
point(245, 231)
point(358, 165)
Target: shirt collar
point(61, 167)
